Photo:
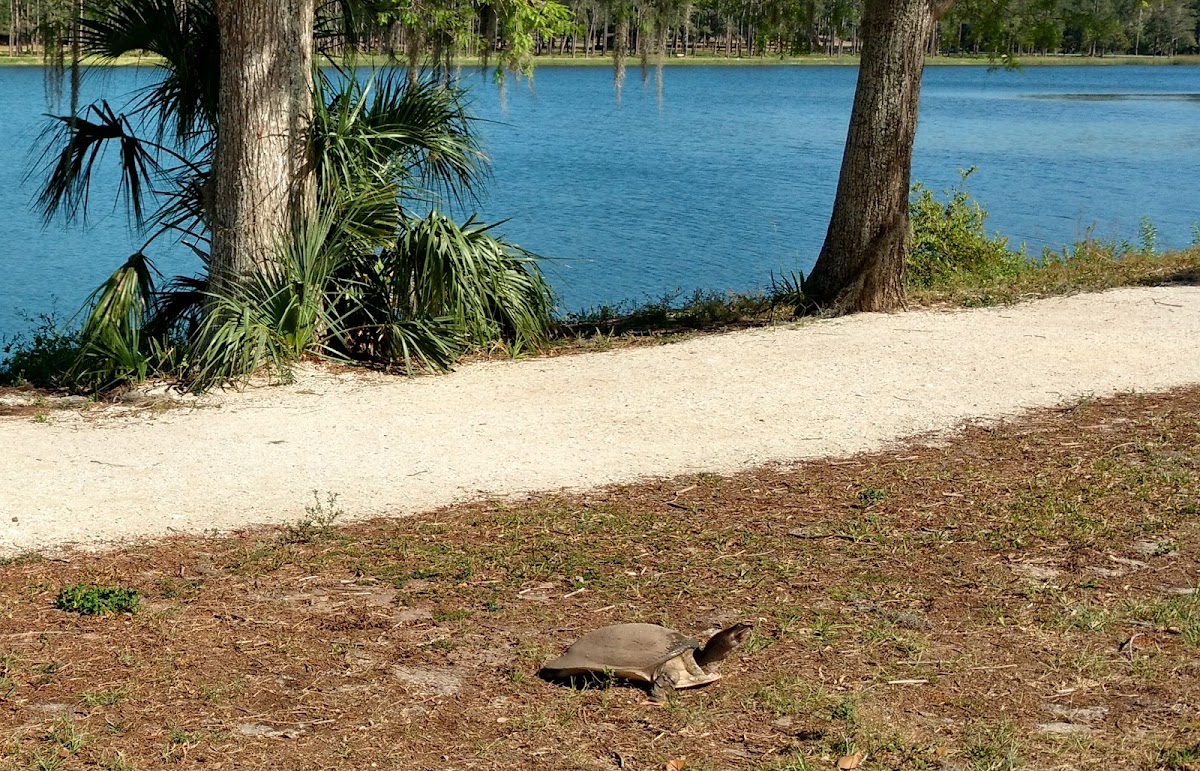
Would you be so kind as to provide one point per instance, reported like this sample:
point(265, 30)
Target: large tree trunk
point(861, 266)
point(262, 171)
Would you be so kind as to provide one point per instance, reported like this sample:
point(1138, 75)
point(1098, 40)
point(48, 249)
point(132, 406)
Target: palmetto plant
point(442, 287)
point(113, 347)
point(272, 317)
point(375, 273)
point(441, 269)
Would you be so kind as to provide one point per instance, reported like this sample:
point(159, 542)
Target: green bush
point(90, 600)
point(949, 243)
point(42, 357)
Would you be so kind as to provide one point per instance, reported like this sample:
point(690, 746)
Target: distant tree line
point(36, 26)
point(724, 28)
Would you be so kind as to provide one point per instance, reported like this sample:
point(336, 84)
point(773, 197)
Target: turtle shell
point(627, 651)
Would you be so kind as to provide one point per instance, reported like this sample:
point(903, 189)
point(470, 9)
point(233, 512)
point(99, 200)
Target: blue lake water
point(729, 177)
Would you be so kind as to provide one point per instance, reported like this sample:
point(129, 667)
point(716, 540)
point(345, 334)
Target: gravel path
point(718, 403)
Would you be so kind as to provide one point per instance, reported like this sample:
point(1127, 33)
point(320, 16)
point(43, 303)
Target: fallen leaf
point(849, 762)
point(676, 764)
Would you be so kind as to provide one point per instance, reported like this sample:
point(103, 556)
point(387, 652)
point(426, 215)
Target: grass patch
point(103, 698)
point(67, 737)
point(993, 747)
point(953, 261)
point(1177, 615)
point(1179, 758)
point(117, 762)
point(1089, 266)
point(37, 60)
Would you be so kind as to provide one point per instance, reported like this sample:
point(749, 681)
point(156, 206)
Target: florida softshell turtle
point(662, 658)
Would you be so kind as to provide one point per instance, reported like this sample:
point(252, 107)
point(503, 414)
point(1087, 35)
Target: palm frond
point(494, 289)
point(80, 143)
point(368, 217)
point(238, 337)
point(425, 125)
point(113, 347)
point(432, 344)
point(178, 308)
point(186, 207)
point(185, 34)
point(390, 131)
point(273, 317)
point(341, 25)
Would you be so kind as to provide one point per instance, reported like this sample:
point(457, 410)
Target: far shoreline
point(847, 60)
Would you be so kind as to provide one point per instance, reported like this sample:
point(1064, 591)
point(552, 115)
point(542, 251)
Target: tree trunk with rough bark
point(861, 266)
point(262, 171)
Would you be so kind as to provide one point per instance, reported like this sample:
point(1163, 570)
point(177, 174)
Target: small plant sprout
point(179, 743)
point(317, 522)
point(1178, 758)
point(118, 762)
point(66, 736)
point(846, 709)
point(103, 698)
point(869, 496)
point(45, 762)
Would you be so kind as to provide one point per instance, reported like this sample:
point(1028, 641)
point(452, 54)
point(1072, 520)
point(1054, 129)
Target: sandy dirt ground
point(393, 446)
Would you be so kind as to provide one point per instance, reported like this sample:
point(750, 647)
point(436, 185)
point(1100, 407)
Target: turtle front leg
point(689, 663)
point(662, 689)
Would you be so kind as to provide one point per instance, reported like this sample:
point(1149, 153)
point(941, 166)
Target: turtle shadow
point(587, 682)
point(602, 682)
point(593, 682)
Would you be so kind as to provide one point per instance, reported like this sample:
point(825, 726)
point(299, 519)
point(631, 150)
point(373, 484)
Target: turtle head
point(722, 644)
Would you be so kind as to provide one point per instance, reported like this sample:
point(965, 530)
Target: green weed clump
point(672, 311)
point(950, 243)
point(41, 357)
point(91, 600)
point(318, 522)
